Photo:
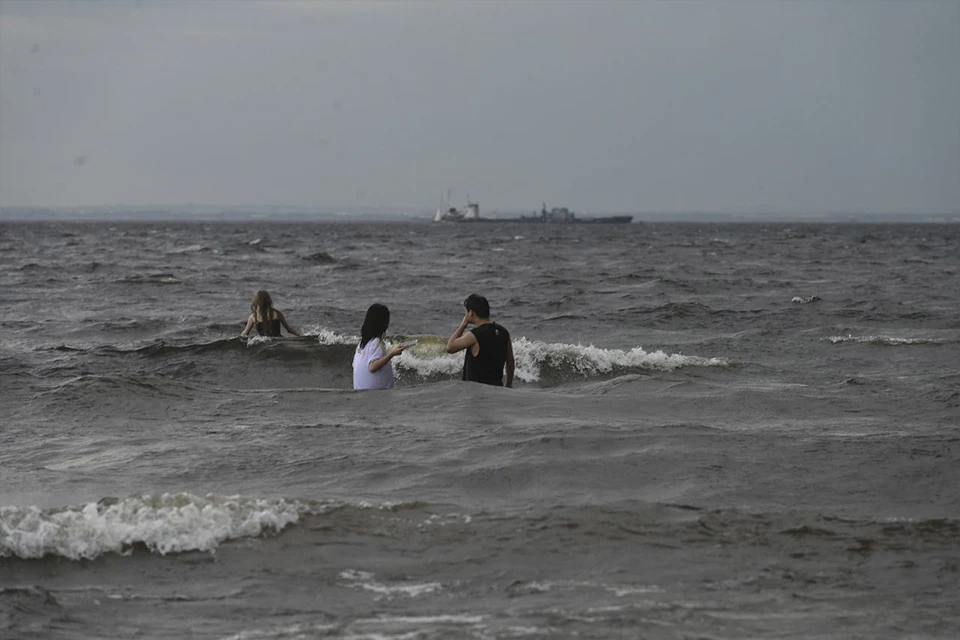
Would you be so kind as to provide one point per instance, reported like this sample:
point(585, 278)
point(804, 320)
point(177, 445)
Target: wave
point(153, 278)
point(182, 522)
point(364, 580)
point(886, 340)
point(161, 348)
point(873, 311)
point(686, 314)
point(327, 337)
point(90, 390)
point(167, 523)
point(193, 248)
point(537, 361)
point(320, 257)
point(676, 311)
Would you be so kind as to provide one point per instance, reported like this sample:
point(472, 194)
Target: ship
point(563, 215)
point(556, 215)
point(446, 213)
point(469, 213)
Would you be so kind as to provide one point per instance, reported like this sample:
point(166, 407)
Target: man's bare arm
point(460, 341)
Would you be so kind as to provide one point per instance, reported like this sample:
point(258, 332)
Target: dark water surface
point(718, 431)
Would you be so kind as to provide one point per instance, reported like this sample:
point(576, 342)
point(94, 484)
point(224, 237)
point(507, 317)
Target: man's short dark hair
point(477, 304)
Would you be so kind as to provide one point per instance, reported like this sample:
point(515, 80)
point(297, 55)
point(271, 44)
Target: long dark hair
point(374, 324)
point(262, 306)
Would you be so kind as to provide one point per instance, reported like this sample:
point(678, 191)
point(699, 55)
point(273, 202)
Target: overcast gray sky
point(619, 106)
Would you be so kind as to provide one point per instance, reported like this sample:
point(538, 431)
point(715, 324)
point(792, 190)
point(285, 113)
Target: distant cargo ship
point(556, 215)
point(469, 213)
point(562, 215)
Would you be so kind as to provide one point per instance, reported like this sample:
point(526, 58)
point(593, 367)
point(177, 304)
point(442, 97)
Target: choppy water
point(718, 431)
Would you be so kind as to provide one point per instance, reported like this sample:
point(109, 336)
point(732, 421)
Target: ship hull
point(603, 220)
point(608, 220)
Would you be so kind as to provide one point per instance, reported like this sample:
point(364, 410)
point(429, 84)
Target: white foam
point(356, 574)
point(193, 248)
point(517, 632)
point(886, 340)
point(428, 366)
point(532, 355)
point(412, 590)
point(327, 337)
point(442, 521)
point(169, 523)
point(588, 360)
point(618, 590)
point(621, 591)
point(323, 335)
point(288, 631)
point(364, 580)
point(449, 618)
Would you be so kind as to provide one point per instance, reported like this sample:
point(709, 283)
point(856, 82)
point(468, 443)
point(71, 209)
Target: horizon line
point(359, 210)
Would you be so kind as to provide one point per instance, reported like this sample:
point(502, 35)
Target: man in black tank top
point(488, 345)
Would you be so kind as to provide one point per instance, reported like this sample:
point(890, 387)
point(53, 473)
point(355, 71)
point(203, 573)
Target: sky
point(629, 106)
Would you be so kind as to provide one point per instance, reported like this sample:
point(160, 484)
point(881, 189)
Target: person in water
point(267, 319)
point(372, 368)
point(488, 345)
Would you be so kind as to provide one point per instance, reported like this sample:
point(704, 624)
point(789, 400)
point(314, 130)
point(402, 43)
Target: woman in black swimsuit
point(267, 319)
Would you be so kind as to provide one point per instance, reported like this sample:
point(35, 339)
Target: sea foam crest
point(327, 337)
point(533, 356)
point(590, 360)
point(881, 340)
point(167, 523)
point(323, 335)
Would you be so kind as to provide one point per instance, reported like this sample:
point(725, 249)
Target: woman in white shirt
point(371, 361)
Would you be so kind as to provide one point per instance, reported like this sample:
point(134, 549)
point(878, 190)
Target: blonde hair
point(262, 306)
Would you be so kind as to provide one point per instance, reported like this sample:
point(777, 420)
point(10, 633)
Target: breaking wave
point(327, 337)
point(883, 340)
point(168, 523)
point(536, 361)
point(539, 360)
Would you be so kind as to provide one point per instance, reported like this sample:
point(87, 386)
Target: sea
point(718, 431)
